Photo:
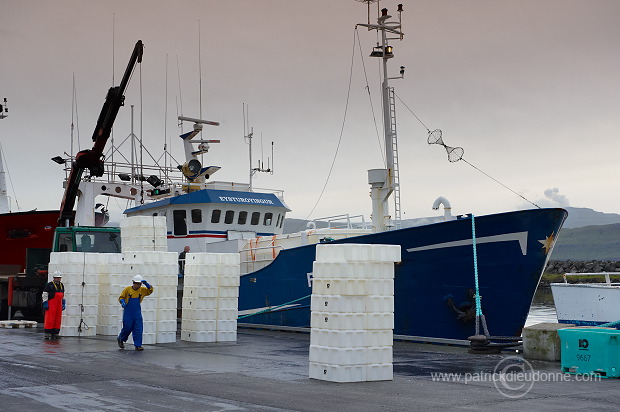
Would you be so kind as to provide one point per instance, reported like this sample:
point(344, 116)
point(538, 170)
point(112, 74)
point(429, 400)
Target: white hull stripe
point(520, 237)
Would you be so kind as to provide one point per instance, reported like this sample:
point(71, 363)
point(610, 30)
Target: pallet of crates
point(228, 297)
point(79, 276)
point(352, 313)
point(110, 272)
point(166, 281)
point(144, 233)
point(200, 297)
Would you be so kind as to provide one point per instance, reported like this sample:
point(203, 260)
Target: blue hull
point(437, 264)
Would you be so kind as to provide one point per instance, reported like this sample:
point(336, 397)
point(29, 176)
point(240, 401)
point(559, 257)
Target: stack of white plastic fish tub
point(210, 297)
point(144, 233)
point(112, 280)
point(352, 312)
point(79, 276)
point(159, 314)
point(94, 281)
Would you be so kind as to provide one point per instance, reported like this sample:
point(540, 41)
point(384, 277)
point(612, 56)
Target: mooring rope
point(272, 309)
point(479, 315)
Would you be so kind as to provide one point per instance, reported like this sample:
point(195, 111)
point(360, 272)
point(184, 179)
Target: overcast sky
point(530, 89)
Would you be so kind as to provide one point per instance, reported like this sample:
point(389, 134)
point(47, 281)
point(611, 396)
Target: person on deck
point(130, 300)
point(182, 260)
point(53, 304)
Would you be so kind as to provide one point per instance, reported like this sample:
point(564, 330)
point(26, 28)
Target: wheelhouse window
point(243, 217)
point(215, 216)
point(196, 216)
point(179, 217)
point(268, 219)
point(229, 217)
point(255, 218)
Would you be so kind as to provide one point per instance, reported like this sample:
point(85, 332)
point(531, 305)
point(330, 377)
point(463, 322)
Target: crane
point(92, 159)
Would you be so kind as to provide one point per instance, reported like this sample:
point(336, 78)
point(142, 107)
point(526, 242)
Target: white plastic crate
point(379, 337)
point(380, 372)
point(338, 356)
point(149, 327)
point(166, 303)
point(198, 336)
point(337, 373)
point(380, 321)
point(338, 338)
point(166, 326)
point(201, 292)
point(107, 330)
point(165, 315)
point(226, 336)
point(337, 303)
point(378, 304)
point(227, 303)
point(199, 280)
point(199, 303)
point(199, 325)
point(380, 354)
point(226, 325)
point(345, 287)
point(77, 310)
point(339, 321)
point(228, 292)
point(229, 281)
point(166, 337)
point(227, 314)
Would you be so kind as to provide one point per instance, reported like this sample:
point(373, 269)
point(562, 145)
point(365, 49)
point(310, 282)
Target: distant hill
point(600, 242)
point(581, 216)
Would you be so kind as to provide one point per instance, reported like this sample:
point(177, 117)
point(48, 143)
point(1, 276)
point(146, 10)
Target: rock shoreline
point(589, 266)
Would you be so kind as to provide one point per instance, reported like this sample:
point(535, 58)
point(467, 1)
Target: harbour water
point(543, 308)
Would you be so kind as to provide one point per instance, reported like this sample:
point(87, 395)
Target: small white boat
point(587, 304)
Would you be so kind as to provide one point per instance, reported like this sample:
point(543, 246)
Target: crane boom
point(92, 159)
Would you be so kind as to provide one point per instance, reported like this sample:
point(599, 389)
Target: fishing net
point(454, 153)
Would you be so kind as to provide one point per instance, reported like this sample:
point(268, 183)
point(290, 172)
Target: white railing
point(348, 224)
point(605, 274)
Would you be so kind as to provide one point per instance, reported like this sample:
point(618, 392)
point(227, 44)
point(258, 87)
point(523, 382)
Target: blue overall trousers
point(132, 322)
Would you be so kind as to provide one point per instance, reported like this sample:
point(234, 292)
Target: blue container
point(592, 351)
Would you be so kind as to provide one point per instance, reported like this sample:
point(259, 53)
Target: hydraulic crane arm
point(92, 159)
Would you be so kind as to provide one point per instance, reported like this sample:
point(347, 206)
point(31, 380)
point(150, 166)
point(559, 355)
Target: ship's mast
point(385, 182)
point(4, 197)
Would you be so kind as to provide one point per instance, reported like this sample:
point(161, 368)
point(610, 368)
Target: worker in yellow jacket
point(130, 300)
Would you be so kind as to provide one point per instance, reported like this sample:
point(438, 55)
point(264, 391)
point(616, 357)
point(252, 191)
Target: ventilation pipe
point(446, 207)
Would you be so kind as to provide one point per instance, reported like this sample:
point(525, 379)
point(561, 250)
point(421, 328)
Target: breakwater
point(576, 266)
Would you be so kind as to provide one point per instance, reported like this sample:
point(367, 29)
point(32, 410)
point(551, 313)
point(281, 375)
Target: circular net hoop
point(434, 137)
point(454, 153)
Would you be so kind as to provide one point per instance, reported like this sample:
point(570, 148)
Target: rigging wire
point(372, 109)
point(341, 133)
point(449, 149)
point(141, 146)
point(166, 123)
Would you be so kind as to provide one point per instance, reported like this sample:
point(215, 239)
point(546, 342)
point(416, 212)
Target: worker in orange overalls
point(53, 305)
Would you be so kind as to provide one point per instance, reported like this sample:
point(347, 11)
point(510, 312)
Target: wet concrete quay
point(268, 371)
